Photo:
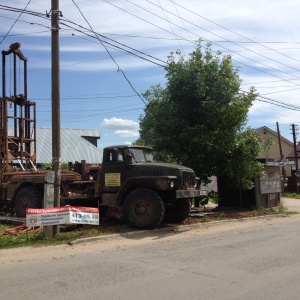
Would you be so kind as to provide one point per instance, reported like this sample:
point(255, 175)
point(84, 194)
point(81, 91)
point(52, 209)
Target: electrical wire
point(114, 46)
point(119, 70)
point(263, 99)
point(14, 22)
point(181, 19)
point(170, 24)
point(250, 40)
point(262, 71)
point(277, 92)
point(101, 35)
point(229, 50)
point(222, 38)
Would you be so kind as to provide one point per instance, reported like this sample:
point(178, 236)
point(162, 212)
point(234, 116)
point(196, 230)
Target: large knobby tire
point(27, 197)
point(144, 209)
point(178, 211)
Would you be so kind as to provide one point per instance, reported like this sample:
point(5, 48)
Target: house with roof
point(76, 145)
point(273, 154)
point(277, 160)
point(293, 183)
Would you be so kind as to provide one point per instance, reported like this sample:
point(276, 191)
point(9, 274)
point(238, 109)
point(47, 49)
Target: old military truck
point(143, 190)
point(129, 182)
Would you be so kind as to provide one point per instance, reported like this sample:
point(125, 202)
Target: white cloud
point(261, 21)
point(122, 127)
point(127, 133)
point(120, 123)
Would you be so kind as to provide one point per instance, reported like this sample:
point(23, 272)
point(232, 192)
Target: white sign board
point(62, 215)
point(49, 189)
point(270, 182)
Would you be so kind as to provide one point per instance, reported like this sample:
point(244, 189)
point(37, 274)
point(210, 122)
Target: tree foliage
point(198, 119)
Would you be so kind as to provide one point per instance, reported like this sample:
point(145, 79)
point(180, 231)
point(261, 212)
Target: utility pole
point(281, 154)
point(296, 157)
point(279, 141)
point(55, 104)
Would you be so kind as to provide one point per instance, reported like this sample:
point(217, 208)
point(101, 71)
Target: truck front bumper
point(191, 193)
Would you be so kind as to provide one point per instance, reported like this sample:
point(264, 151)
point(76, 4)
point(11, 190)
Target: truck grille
point(188, 179)
point(150, 173)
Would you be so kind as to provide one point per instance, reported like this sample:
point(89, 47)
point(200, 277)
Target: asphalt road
point(253, 259)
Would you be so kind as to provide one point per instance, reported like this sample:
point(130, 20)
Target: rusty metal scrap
point(21, 229)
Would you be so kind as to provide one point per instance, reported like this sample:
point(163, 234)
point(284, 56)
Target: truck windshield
point(142, 155)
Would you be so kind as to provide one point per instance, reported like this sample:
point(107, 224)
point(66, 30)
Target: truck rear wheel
point(27, 197)
point(144, 209)
point(178, 211)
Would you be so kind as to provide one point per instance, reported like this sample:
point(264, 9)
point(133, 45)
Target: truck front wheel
point(27, 197)
point(178, 211)
point(144, 209)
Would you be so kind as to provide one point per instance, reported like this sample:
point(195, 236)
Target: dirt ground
point(223, 213)
point(202, 215)
point(197, 215)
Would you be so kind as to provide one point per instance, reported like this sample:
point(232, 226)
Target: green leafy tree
point(198, 119)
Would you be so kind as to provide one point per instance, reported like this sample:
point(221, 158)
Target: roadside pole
point(296, 157)
point(55, 13)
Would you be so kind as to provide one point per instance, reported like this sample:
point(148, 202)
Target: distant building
point(272, 157)
point(273, 153)
point(293, 181)
point(76, 145)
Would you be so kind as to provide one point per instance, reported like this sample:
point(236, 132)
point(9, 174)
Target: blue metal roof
point(74, 147)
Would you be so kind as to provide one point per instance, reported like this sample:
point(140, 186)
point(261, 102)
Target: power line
point(262, 82)
point(15, 22)
point(281, 91)
point(169, 23)
point(101, 35)
point(31, 23)
point(206, 40)
point(119, 70)
point(270, 101)
point(116, 47)
point(289, 106)
point(224, 39)
point(250, 40)
point(185, 39)
point(280, 105)
point(181, 19)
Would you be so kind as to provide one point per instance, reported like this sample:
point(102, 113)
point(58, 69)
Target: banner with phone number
point(62, 215)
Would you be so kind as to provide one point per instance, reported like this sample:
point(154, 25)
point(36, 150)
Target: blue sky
point(262, 37)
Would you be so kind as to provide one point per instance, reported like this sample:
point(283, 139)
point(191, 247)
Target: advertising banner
point(62, 215)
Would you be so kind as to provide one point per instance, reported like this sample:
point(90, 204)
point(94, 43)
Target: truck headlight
point(172, 184)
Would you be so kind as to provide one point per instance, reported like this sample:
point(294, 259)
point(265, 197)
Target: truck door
point(114, 168)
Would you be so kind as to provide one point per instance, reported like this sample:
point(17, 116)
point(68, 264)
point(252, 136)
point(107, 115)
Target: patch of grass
point(11, 241)
point(281, 209)
point(264, 210)
point(291, 195)
point(4, 226)
point(291, 213)
point(204, 219)
point(39, 239)
point(221, 217)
